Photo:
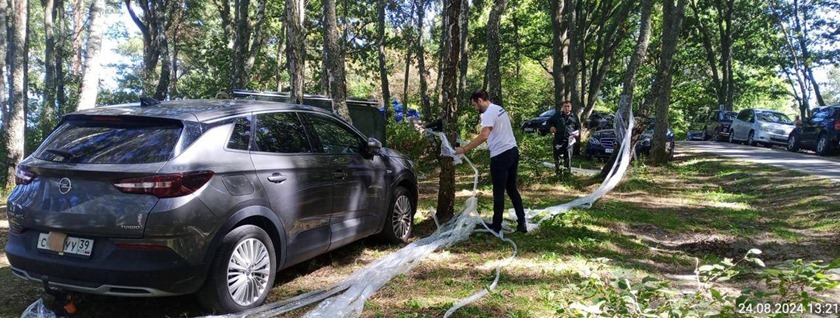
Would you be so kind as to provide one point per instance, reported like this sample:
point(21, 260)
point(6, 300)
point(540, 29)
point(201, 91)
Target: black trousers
point(562, 151)
point(503, 170)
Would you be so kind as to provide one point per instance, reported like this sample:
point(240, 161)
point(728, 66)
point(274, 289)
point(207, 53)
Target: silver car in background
point(759, 126)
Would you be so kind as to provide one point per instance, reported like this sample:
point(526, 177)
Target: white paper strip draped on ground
point(347, 298)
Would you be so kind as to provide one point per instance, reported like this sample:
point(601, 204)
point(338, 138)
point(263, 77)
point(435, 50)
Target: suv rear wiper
point(68, 156)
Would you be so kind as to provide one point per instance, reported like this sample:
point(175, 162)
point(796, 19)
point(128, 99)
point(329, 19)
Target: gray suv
point(210, 197)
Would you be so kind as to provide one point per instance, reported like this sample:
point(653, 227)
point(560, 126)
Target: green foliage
point(620, 296)
point(406, 139)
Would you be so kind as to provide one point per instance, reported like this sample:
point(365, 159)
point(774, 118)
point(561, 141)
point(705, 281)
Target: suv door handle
point(277, 178)
point(339, 174)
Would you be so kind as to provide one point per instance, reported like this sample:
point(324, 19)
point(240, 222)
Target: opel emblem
point(64, 186)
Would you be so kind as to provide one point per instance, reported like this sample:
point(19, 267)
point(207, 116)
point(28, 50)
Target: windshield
point(773, 117)
point(730, 116)
point(547, 113)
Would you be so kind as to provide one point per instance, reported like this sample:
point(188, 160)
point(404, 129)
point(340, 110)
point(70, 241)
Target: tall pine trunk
point(295, 48)
point(574, 61)
point(670, 36)
point(558, 43)
point(15, 127)
point(78, 39)
point(335, 63)
point(92, 66)
point(383, 68)
point(626, 99)
point(449, 86)
point(47, 114)
point(421, 62)
point(464, 21)
point(493, 75)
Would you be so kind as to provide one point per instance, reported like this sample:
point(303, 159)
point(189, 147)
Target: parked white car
point(759, 126)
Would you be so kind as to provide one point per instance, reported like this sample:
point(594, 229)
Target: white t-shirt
point(501, 137)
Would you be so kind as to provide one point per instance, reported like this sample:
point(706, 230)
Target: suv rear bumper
point(109, 270)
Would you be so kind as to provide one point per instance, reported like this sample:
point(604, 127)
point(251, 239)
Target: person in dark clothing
point(504, 158)
point(565, 126)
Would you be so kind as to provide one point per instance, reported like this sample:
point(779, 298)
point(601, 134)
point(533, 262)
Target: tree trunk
point(446, 195)
point(574, 61)
point(670, 36)
point(295, 48)
point(710, 54)
point(802, 36)
point(281, 46)
point(335, 63)
point(78, 39)
point(92, 66)
point(15, 128)
point(47, 115)
point(60, 58)
point(493, 75)
point(241, 37)
point(383, 69)
point(797, 68)
point(173, 77)
point(421, 62)
point(626, 100)
point(464, 21)
point(409, 43)
point(558, 43)
point(4, 75)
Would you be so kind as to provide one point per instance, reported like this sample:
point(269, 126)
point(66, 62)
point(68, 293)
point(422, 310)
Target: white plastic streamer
point(347, 298)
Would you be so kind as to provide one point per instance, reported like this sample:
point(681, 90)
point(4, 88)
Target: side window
point(820, 114)
point(281, 133)
point(240, 137)
point(335, 137)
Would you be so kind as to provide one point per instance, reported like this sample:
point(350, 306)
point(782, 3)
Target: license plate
point(529, 129)
point(608, 150)
point(72, 245)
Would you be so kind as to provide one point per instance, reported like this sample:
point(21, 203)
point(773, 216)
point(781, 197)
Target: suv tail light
point(23, 176)
point(165, 185)
point(837, 124)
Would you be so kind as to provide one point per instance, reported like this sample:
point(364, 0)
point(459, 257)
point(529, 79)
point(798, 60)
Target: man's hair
point(479, 93)
point(566, 102)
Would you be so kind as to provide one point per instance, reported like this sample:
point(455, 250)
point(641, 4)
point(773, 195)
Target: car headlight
point(595, 141)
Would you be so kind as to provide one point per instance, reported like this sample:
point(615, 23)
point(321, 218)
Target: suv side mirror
point(373, 146)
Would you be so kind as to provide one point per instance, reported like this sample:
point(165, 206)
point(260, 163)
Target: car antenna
point(148, 101)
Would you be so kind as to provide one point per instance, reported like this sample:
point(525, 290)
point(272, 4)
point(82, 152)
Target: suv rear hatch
point(76, 181)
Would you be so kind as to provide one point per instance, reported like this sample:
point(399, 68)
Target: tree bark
point(464, 21)
point(421, 62)
point(670, 36)
point(383, 68)
point(446, 195)
point(801, 36)
point(493, 75)
point(574, 61)
point(15, 127)
point(409, 44)
point(92, 66)
point(78, 39)
point(281, 46)
point(335, 61)
point(4, 107)
point(47, 115)
point(558, 43)
point(295, 48)
point(626, 100)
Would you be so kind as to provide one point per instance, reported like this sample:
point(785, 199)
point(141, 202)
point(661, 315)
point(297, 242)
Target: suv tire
point(251, 243)
point(793, 143)
point(824, 147)
point(399, 220)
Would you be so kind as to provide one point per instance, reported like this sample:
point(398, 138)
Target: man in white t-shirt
point(504, 157)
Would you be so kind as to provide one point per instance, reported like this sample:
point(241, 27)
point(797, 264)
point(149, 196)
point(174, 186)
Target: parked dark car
point(694, 135)
point(207, 197)
point(539, 124)
point(718, 125)
point(602, 143)
point(820, 133)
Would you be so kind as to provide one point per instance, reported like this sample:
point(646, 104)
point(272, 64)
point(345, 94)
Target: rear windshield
point(112, 140)
point(773, 117)
point(730, 116)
